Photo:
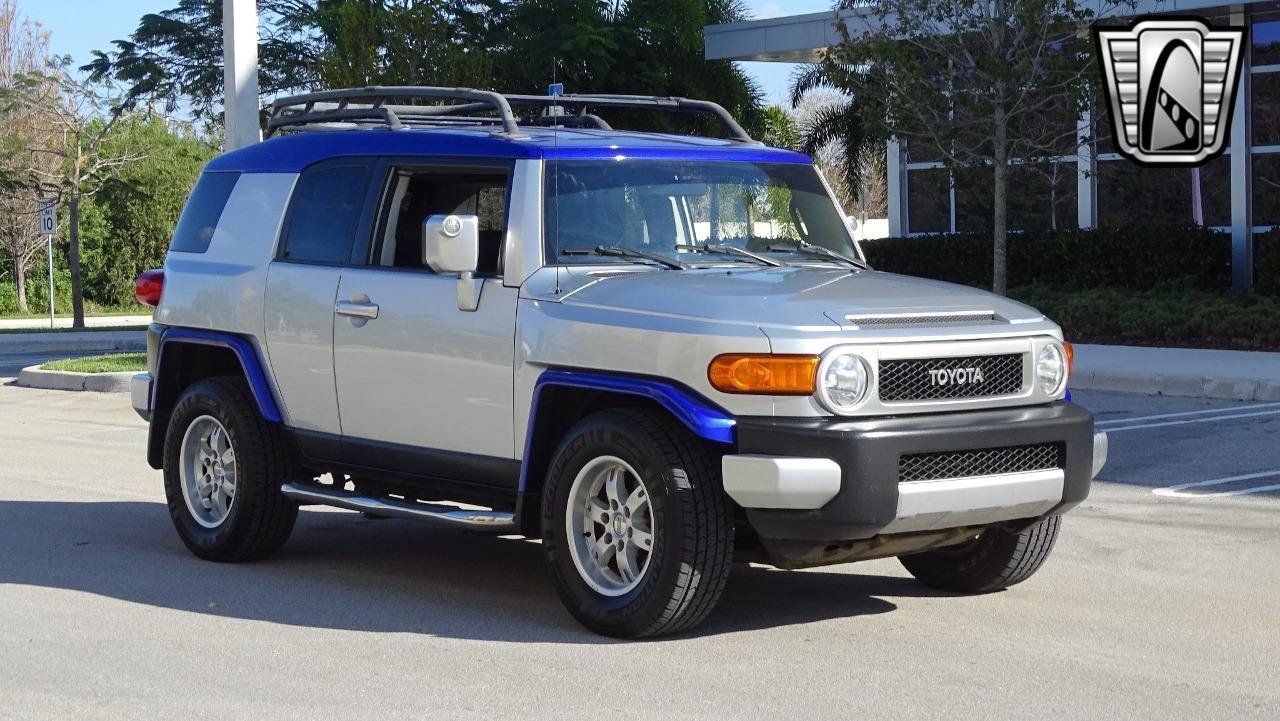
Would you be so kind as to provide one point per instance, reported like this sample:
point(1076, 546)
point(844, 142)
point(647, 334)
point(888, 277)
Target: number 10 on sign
point(48, 226)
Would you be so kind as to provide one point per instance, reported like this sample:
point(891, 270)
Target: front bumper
point(864, 498)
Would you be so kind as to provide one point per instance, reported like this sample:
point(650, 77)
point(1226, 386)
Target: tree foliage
point(650, 47)
point(973, 82)
point(127, 225)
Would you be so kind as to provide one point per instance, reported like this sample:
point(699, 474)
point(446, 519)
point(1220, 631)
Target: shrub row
point(1266, 262)
point(1126, 258)
point(1163, 316)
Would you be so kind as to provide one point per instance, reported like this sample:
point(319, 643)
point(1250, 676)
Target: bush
point(38, 292)
point(1128, 258)
point(1162, 316)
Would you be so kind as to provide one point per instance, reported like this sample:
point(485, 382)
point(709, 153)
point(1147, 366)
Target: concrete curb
point(1182, 386)
point(35, 377)
point(1183, 372)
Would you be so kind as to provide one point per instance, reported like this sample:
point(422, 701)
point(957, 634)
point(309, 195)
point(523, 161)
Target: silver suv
point(656, 353)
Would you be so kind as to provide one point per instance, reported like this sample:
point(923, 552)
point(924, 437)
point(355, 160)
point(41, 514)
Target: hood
point(795, 297)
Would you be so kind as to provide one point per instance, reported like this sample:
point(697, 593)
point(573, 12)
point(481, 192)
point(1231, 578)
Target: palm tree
point(837, 123)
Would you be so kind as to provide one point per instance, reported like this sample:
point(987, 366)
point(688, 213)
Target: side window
point(324, 214)
point(200, 216)
point(414, 194)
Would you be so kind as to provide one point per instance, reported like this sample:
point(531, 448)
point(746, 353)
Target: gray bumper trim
point(980, 500)
point(140, 394)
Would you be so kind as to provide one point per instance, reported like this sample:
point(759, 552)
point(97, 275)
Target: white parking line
point(1178, 491)
point(1162, 424)
point(1206, 411)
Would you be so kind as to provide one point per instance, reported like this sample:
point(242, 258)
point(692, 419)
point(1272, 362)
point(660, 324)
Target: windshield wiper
point(729, 250)
point(804, 246)
point(622, 252)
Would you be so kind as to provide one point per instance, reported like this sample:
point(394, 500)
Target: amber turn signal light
point(765, 374)
point(1071, 358)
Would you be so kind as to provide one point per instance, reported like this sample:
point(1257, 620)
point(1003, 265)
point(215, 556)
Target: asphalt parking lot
point(1159, 603)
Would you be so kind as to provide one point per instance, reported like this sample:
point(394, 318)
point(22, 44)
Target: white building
point(1238, 192)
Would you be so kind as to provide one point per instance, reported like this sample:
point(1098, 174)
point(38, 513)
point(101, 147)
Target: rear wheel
point(996, 559)
point(637, 533)
point(223, 466)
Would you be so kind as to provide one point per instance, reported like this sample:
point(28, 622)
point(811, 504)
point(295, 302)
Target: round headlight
point(843, 382)
point(1051, 369)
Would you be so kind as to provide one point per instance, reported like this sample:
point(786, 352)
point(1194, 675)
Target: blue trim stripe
point(292, 153)
point(701, 416)
point(244, 351)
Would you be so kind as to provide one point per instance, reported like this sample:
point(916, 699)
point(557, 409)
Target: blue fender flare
point(702, 417)
point(250, 363)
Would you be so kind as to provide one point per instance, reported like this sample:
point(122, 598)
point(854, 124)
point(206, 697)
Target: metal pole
point(49, 239)
point(240, 73)
point(1241, 180)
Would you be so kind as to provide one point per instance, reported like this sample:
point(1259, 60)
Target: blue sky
point(79, 26)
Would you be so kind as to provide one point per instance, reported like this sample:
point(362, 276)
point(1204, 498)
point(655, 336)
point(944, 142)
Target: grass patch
point(114, 363)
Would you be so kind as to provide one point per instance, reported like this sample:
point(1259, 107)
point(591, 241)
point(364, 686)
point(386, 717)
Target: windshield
point(669, 208)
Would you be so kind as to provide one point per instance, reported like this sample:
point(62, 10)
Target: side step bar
point(492, 521)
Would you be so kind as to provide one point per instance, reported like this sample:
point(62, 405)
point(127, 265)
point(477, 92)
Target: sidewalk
point(103, 321)
point(1186, 372)
point(89, 341)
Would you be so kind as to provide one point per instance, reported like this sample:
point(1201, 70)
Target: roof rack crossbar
point(336, 106)
point(285, 111)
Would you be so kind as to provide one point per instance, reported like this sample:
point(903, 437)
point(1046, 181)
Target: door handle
point(356, 309)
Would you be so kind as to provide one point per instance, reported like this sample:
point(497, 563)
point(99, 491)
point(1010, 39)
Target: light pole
point(240, 73)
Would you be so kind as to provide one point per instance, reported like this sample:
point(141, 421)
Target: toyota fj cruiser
point(656, 353)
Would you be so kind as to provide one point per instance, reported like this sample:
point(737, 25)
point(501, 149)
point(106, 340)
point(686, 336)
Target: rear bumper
point(858, 494)
point(140, 394)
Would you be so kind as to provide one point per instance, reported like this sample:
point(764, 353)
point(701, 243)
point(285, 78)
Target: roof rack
point(336, 106)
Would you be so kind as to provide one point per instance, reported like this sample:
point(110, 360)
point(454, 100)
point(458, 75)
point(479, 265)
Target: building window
point(1265, 108)
point(928, 200)
point(1266, 189)
point(1130, 195)
point(1266, 40)
point(1215, 191)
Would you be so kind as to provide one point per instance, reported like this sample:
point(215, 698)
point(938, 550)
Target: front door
point(420, 381)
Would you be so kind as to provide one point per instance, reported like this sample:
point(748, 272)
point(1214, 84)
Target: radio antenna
point(555, 90)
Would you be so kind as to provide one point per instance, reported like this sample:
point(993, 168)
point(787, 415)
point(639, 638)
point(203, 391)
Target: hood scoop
point(928, 318)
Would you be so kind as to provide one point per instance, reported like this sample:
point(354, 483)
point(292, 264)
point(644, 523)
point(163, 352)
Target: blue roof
point(292, 153)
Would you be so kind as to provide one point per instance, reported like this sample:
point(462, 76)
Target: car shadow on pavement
point(343, 571)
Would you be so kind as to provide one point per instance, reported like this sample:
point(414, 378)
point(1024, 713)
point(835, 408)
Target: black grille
point(925, 379)
point(981, 462)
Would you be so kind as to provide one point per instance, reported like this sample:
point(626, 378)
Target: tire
point(252, 519)
point(996, 559)
point(683, 570)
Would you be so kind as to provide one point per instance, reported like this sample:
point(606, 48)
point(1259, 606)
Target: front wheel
point(996, 559)
point(636, 530)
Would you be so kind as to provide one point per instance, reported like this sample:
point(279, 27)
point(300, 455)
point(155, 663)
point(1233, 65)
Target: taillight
point(149, 287)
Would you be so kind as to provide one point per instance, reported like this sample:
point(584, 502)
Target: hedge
point(1163, 316)
point(1126, 258)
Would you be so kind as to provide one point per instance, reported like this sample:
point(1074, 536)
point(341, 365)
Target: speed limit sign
point(48, 216)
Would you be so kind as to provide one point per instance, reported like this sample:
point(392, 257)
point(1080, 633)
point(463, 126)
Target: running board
point(493, 521)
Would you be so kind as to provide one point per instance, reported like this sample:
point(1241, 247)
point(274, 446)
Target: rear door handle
point(356, 309)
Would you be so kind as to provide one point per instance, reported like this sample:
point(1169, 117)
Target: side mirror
point(451, 243)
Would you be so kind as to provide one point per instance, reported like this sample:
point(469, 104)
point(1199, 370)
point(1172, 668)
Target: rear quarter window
point(323, 216)
point(200, 216)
